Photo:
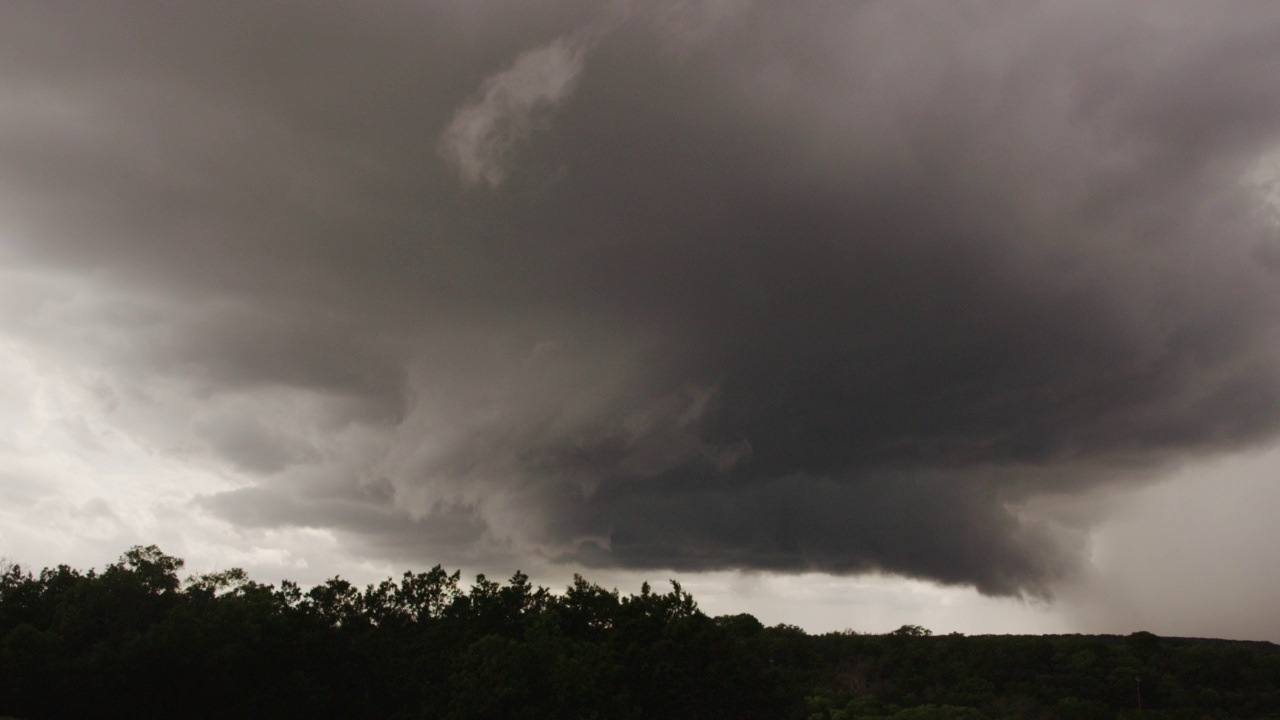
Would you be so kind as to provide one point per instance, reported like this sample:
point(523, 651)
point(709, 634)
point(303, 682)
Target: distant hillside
point(137, 641)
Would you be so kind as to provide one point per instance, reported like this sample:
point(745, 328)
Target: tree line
point(136, 640)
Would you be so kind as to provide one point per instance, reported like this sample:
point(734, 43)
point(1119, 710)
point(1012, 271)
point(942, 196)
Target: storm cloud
point(802, 286)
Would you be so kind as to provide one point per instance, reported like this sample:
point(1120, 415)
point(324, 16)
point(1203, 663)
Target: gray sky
point(848, 314)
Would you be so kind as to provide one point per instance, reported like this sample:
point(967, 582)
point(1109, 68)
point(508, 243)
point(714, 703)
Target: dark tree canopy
point(138, 641)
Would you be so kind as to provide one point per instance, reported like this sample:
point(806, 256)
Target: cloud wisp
point(510, 106)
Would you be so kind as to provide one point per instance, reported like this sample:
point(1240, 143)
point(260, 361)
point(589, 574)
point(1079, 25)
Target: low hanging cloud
point(818, 286)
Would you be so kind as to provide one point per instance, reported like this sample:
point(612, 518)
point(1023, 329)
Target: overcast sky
point(846, 314)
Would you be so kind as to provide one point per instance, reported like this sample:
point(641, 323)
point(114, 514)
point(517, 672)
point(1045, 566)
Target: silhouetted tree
point(135, 641)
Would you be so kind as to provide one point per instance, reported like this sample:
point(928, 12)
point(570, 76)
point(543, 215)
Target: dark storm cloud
point(800, 523)
point(789, 286)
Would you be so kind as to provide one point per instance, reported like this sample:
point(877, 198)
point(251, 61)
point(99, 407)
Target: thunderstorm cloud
point(789, 286)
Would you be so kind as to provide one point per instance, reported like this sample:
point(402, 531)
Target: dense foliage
point(136, 641)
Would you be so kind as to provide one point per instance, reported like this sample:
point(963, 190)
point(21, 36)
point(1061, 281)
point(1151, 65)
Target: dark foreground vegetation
point(136, 641)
